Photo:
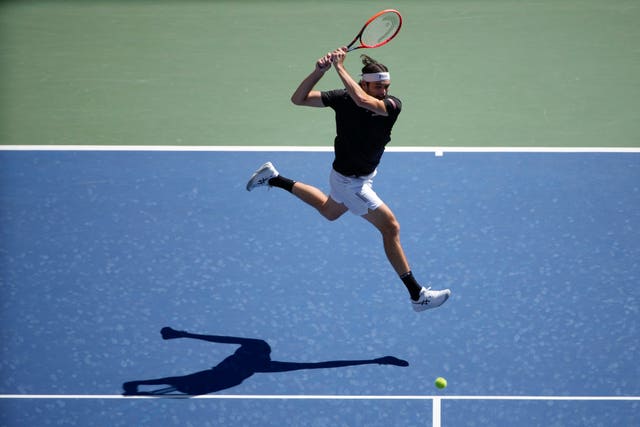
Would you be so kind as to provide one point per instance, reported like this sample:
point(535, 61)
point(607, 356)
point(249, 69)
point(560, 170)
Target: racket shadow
point(253, 356)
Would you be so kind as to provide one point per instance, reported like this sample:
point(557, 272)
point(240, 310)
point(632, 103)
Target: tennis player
point(365, 114)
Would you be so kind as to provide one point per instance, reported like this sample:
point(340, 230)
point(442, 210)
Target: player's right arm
point(304, 94)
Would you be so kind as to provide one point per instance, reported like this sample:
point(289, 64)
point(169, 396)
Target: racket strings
point(381, 29)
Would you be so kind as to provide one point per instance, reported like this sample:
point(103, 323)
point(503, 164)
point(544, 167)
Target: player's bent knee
point(331, 216)
point(331, 211)
point(391, 228)
point(395, 230)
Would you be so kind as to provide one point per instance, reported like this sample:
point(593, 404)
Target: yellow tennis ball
point(441, 382)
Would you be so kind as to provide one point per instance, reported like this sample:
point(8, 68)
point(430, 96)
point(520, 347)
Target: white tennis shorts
point(356, 193)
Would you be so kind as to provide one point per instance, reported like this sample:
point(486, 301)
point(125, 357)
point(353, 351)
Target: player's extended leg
point(381, 217)
point(385, 221)
point(268, 176)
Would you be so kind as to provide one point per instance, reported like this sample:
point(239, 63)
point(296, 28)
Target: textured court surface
point(102, 249)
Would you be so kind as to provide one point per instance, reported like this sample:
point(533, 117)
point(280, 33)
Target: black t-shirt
point(361, 135)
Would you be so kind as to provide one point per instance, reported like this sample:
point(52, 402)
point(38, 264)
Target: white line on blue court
point(436, 407)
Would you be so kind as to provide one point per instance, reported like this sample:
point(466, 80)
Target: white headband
point(376, 77)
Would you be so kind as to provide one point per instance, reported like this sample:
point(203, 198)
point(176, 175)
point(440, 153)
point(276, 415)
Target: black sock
point(412, 285)
point(282, 182)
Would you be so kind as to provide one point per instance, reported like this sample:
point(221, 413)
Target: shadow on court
point(253, 356)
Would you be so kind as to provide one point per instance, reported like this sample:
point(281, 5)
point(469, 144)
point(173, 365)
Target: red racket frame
point(362, 45)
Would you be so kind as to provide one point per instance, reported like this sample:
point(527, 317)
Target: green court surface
point(553, 73)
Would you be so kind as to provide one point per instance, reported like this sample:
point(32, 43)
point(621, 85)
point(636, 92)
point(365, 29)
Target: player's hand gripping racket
point(378, 30)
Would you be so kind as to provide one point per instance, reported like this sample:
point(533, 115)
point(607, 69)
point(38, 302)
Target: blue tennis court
point(99, 250)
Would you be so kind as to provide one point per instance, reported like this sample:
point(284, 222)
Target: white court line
point(250, 148)
point(315, 397)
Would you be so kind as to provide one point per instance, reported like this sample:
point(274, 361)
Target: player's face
point(377, 89)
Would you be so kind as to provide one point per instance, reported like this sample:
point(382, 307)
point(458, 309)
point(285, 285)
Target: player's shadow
point(253, 356)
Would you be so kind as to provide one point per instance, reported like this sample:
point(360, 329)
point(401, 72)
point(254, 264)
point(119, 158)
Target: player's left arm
point(304, 93)
point(359, 96)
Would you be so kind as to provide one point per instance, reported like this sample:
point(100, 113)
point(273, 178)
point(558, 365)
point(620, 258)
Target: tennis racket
point(378, 30)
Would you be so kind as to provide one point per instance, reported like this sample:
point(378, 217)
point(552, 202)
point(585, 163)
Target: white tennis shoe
point(430, 299)
point(261, 177)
